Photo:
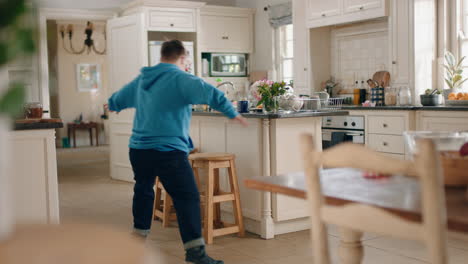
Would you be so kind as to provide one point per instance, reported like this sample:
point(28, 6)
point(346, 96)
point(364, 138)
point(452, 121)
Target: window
point(463, 30)
point(285, 53)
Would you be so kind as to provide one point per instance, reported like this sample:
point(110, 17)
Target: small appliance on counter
point(33, 110)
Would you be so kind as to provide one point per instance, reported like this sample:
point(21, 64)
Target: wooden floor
point(88, 194)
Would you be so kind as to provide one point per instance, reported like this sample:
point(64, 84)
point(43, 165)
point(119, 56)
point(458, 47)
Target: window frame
point(279, 56)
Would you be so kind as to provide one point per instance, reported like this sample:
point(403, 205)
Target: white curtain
point(280, 15)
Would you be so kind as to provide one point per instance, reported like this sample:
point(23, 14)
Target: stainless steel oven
point(339, 129)
point(225, 64)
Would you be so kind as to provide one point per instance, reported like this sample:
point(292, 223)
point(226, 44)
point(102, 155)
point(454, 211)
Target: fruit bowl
point(448, 144)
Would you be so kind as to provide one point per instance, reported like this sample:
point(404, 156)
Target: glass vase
point(271, 105)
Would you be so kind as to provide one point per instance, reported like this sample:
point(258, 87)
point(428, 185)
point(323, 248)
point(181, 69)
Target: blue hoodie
point(163, 96)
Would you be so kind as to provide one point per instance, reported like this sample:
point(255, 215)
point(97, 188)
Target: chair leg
point(236, 203)
point(217, 206)
point(208, 223)
point(350, 250)
point(157, 200)
point(167, 210)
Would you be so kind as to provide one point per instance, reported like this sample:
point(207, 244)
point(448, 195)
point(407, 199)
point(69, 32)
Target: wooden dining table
point(397, 194)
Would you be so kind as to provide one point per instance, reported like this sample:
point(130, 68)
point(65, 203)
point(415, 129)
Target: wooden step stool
point(164, 208)
point(212, 197)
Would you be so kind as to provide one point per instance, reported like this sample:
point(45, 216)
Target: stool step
point(226, 231)
point(223, 197)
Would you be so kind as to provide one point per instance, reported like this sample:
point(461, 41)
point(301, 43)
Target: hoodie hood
point(150, 75)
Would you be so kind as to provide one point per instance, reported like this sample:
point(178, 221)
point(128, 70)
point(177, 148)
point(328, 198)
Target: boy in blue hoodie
point(162, 96)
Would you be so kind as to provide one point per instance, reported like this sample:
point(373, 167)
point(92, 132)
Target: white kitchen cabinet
point(401, 43)
point(301, 48)
point(333, 12)
point(172, 20)
point(352, 6)
point(442, 121)
point(226, 29)
point(324, 9)
point(34, 177)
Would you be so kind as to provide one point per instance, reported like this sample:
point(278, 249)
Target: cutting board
point(382, 77)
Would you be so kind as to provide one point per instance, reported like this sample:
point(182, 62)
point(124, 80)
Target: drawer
point(172, 20)
point(386, 143)
point(390, 125)
point(395, 156)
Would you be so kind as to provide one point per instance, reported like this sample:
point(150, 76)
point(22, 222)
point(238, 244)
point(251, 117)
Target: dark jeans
point(176, 175)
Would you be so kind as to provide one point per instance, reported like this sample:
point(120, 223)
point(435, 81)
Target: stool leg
point(167, 210)
point(208, 224)
point(197, 176)
point(157, 200)
point(236, 203)
point(217, 206)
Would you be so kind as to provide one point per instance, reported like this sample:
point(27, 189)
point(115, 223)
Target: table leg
point(74, 137)
point(350, 249)
point(97, 135)
point(91, 135)
point(69, 134)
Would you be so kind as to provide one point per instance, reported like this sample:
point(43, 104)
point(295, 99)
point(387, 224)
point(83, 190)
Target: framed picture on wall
point(88, 77)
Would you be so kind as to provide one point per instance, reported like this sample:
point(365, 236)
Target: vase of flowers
point(267, 93)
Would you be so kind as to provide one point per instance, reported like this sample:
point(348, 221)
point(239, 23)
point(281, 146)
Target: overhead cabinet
point(332, 12)
point(226, 29)
point(173, 20)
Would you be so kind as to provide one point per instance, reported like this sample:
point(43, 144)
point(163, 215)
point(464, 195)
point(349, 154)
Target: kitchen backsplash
point(358, 51)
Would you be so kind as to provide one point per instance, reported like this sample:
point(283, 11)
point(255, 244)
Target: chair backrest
point(362, 217)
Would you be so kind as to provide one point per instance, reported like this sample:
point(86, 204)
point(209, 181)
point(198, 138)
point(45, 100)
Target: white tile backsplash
point(358, 51)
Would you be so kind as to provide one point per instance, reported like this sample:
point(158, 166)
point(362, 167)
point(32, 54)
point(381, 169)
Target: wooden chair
point(213, 196)
point(356, 218)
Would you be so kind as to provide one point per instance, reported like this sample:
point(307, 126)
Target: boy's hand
point(106, 106)
point(241, 120)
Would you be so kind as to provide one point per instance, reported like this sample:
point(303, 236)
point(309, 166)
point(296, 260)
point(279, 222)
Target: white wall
point(262, 59)
point(71, 101)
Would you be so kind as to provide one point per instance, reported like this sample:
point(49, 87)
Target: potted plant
point(267, 93)
point(454, 73)
point(431, 98)
point(16, 40)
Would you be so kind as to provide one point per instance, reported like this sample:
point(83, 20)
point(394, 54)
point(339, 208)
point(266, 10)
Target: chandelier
point(88, 42)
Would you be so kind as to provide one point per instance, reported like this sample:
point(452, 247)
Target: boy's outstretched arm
point(125, 97)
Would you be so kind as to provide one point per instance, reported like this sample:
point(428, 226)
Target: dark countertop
point(408, 108)
point(32, 126)
point(281, 114)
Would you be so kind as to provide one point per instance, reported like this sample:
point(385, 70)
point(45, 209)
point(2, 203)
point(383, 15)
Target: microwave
point(224, 64)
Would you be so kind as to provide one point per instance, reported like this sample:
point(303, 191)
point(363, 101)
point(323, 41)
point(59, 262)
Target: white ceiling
point(107, 4)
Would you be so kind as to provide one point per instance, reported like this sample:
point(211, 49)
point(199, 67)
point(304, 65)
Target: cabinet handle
point(385, 144)
point(393, 62)
point(305, 69)
point(385, 125)
point(324, 15)
point(361, 8)
point(172, 25)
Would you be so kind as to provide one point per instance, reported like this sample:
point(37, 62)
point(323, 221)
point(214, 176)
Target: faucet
point(227, 93)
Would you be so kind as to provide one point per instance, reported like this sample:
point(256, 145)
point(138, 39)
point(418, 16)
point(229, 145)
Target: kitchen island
point(269, 146)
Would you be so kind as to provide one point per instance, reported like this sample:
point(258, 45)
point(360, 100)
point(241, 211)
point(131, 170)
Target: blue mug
point(243, 106)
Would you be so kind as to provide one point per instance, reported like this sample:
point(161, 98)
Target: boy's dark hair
point(172, 50)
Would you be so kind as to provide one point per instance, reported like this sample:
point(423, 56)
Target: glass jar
point(33, 110)
point(390, 97)
point(404, 96)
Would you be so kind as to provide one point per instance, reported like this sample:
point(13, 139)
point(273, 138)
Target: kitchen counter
point(281, 114)
point(31, 126)
point(408, 108)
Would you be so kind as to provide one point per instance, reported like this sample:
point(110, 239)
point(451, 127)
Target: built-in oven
point(339, 129)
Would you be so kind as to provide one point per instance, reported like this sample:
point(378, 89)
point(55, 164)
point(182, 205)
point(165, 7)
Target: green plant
point(454, 68)
point(16, 41)
point(268, 92)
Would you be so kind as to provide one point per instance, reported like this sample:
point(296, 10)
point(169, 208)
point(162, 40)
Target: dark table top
point(407, 108)
point(32, 126)
point(398, 194)
point(281, 114)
